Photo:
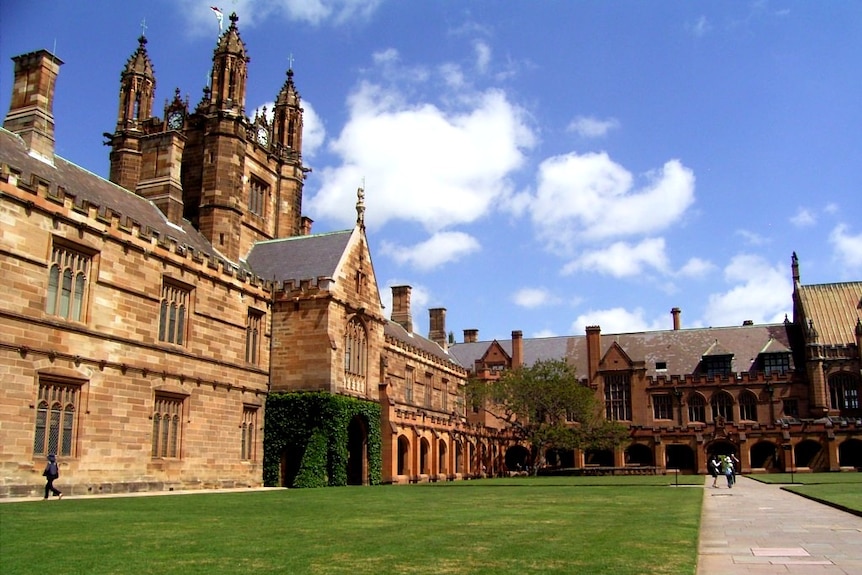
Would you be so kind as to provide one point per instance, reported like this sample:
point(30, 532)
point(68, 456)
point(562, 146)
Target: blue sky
point(539, 166)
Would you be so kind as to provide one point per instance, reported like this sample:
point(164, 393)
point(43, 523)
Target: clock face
point(175, 120)
point(262, 136)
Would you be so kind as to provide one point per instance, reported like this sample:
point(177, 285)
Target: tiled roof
point(300, 257)
point(834, 310)
point(84, 186)
point(396, 331)
point(680, 350)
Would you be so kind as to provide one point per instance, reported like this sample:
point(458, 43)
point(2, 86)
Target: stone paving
point(760, 529)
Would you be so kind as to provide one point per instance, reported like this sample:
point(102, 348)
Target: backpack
point(52, 470)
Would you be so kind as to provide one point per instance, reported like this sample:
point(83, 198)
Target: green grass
point(838, 489)
point(589, 525)
point(849, 478)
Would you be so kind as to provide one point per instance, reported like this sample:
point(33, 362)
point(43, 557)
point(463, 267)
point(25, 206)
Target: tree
point(545, 405)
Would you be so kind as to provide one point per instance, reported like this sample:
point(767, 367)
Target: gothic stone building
point(148, 317)
point(781, 396)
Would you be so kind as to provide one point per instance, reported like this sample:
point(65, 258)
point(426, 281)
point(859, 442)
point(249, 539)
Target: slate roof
point(396, 331)
point(84, 186)
point(680, 350)
point(834, 309)
point(300, 257)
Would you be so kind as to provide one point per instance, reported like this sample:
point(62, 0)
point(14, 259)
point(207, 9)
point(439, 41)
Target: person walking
point(51, 473)
point(727, 469)
point(713, 466)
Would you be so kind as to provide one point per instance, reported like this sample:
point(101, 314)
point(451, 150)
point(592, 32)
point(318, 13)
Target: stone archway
point(810, 454)
point(679, 456)
point(403, 467)
point(357, 452)
point(764, 455)
point(639, 454)
point(850, 453)
point(600, 457)
point(442, 457)
point(424, 457)
point(517, 458)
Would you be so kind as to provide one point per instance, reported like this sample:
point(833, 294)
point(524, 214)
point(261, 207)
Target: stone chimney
point(794, 269)
point(401, 307)
point(31, 111)
point(594, 350)
point(471, 335)
point(675, 313)
point(437, 327)
point(305, 226)
point(517, 348)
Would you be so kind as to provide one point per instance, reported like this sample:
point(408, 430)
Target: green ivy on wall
point(310, 432)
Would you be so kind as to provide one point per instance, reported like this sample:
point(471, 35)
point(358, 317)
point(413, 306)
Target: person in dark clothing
point(52, 472)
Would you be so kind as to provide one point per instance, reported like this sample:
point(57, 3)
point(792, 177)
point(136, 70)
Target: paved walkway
point(759, 529)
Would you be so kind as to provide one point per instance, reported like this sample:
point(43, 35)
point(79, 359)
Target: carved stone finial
point(360, 207)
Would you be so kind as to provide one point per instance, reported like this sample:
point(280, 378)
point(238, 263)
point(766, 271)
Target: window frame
point(175, 304)
point(167, 438)
point(57, 416)
point(253, 335)
point(75, 264)
point(248, 432)
point(618, 396)
point(662, 406)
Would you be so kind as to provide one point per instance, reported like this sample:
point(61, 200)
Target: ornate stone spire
point(360, 207)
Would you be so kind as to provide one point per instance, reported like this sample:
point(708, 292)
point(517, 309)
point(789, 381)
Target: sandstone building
point(780, 396)
point(152, 320)
point(149, 317)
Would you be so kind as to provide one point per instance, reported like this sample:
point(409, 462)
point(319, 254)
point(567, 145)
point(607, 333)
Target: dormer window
point(717, 365)
point(778, 363)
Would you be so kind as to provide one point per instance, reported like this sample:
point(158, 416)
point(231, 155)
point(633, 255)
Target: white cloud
point(422, 163)
point(483, 56)
point(253, 12)
point(618, 320)
point(590, 197)
point(803, 218)
point(589, 127)
point(700, 27)
point(534, 297)
point(622, 259)
point(544, 333)
point(440, 248)
point(848, 248)
point(761, 293)
point(696, 268)
point(751, 238)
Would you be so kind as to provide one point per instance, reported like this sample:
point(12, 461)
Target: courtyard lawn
point(547, 525)
point(843, 490)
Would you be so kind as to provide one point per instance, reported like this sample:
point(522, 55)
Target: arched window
point(747, 406)
point(55, 418)
point(844, 393)
point(696, 408)
point(355, 356)
point(722, 406)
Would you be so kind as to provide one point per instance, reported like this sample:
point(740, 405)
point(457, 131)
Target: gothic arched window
point(722, 406)
point(355, 355)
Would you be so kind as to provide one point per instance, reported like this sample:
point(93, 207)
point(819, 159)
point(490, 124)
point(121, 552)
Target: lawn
point(839, 489)
point(589, 525)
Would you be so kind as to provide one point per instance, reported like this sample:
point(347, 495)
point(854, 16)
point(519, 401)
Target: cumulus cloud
point(483, 55)
point(440, 248)
point(423, 163)
point(531, 297)
point(588, 197)
point(751, 238)
point(759, 292)
point(589, 127)
point(803, 218)
point(617, 320)
point(696, 268)
point(253, 12)
point(848, 248)
point(622, 259)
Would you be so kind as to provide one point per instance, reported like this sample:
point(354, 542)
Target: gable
point(495, 355)
point(615, 359)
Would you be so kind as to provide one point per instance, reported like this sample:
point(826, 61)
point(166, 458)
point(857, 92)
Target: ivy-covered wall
point(311, 430)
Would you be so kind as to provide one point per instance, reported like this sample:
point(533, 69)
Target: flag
point(219, 16)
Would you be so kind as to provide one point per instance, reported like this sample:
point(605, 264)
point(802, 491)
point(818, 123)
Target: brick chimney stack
point(594, 350)
point(401, 307)
point(675, 313)
point(305, 226)
point(31, 111)
point(437, 327)
point(471, 335)
point(517, 349)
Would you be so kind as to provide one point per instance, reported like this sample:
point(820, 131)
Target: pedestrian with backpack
point(52, 472)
